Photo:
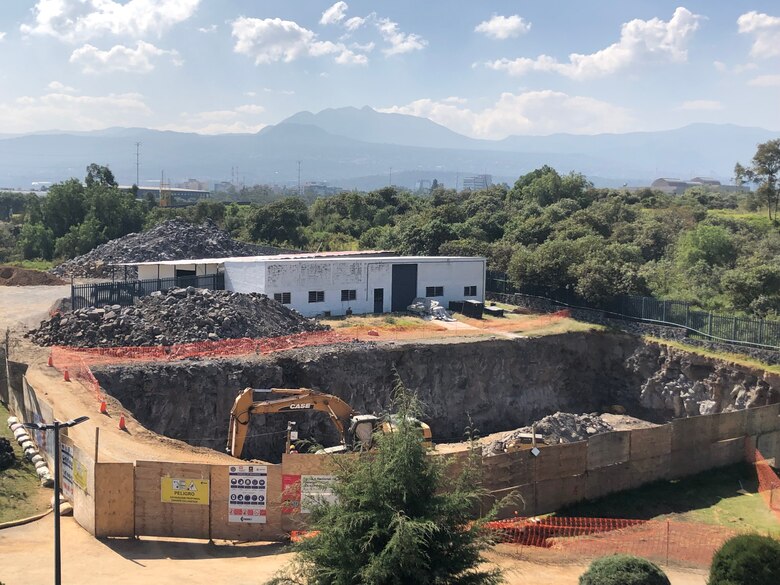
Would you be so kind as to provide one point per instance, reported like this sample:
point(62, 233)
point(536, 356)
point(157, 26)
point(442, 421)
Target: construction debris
point(425, 307)
point(182, 315)
point(7, 455)
point(174, 239)
point(561, 427)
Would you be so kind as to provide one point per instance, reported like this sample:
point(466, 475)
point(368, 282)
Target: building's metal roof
point(308, 256)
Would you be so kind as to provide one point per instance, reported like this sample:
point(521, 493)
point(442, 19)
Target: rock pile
point(174, 239)
point(561, 427)
point(181, 315)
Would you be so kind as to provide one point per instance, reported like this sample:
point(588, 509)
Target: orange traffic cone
point(51, 362)
point(66, 374)
point(103, 409)
point(122, 425)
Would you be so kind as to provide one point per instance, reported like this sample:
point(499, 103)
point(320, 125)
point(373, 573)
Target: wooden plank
point(558, 461)
point(607, 480)
point(727, 452)
point(153, 517)
point(651, 442)
point(732, 424)
point(83, 500)
point(552, 494)
point(692, 432)
point(115, 501)
point(763, 419)
point(519, 500)
point(608, 449)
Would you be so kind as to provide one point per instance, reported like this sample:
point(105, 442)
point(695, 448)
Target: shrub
point(746, 559)
point(623, 570)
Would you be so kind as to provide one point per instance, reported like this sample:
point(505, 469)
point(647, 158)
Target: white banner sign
point(246, 497)
point(316, 489)
point(67, 472)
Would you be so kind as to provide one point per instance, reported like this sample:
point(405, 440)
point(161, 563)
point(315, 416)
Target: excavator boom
point(282, 400)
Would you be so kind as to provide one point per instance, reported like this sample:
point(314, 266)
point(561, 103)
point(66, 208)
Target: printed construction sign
point(79, 475)
point(184, 491)
point(247, 493)
point(291, 494)
point(316, 489)
point(67, 472)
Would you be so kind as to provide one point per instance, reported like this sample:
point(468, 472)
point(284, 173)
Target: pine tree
point(400, 517)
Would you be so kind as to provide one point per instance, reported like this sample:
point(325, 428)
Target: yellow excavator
point(354, 429)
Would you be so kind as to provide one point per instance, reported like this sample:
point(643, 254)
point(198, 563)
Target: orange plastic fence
point(77, 360)
point(666, 542)
point(768, 481)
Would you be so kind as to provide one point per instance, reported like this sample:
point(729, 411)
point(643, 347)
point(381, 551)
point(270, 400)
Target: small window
point(348, 295)
point(469, 291)
point(283, 298)
point(316, 296)
point(434, 291)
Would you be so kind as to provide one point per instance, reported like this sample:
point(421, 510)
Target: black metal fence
point(126, 292)
point(730, 329)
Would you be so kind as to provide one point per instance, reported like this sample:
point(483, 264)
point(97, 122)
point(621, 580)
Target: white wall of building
point(452, 275)
point(245, 277)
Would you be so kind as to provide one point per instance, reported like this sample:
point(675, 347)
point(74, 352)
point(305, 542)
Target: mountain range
point(362, 148)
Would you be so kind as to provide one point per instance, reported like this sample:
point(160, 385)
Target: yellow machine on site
point(355, 430)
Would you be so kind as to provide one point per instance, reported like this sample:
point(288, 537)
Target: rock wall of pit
point(498, 384)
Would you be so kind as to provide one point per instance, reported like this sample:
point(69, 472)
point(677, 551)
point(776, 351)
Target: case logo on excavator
point(300, 406)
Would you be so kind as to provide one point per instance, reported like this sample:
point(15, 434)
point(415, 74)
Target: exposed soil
point(174, 239)
point(15, 276)
point(496, 385)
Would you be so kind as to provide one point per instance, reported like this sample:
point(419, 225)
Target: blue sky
point(483, 68)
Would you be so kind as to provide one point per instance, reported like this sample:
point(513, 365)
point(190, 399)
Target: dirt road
point(26, 559)
point(25, 306)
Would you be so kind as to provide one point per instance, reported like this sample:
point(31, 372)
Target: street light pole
point(56, 426)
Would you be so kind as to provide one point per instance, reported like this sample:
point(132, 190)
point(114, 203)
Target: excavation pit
point(495, 385)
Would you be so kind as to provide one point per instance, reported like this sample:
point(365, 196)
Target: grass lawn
point(725, 496)
point(32, 264)
point(21, 494)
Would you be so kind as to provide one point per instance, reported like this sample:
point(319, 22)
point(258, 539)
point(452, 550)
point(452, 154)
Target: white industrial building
point(337, 282)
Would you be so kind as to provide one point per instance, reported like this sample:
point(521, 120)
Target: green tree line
point(717, 250)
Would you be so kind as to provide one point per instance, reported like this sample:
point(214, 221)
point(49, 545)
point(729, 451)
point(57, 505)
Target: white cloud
point(120, 58)
point(273, 39)
point(400, 42)
point(58, 86)
point(354, 23)
point(640, 40)
point(765, 81)
point(2, 36)
point(335, 13)
point(79, 20)
point(59, 110)
point(701, 105)
point(766, 32)
point(532, 112)
point(208, 29)
point(503, 27)
point(236, 120)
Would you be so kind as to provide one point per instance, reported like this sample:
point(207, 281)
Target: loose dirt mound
point(15, 276)
point(178, 316)
point(174, 239)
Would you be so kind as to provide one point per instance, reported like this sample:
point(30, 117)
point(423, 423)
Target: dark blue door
point(404, 286)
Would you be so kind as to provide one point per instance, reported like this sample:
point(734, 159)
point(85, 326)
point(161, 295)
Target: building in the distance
point(335, 283)
point(678, 186)
point(180, 196)
point(477, 182)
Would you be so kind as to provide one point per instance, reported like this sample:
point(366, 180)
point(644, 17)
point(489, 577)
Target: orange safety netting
point(664, 541)
point(768, 481)
point(77, 360)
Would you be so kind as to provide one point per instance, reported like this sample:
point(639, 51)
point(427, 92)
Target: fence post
point(760, 332)
point(642, 315)
point(734, 328)
point(667, 543)
point(709, 324)
point(663, 311)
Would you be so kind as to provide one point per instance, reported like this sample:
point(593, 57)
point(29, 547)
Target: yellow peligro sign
point(184, 491)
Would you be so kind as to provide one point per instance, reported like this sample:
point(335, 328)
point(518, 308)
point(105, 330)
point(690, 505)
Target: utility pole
point(137, 163)
point(300, 193)
point(391, 177)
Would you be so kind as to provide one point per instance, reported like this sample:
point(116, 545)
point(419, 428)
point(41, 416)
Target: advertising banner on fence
point(67, 472)
point(247, 493)
point(80, 475)
point(300, 493)
point(184, 491)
